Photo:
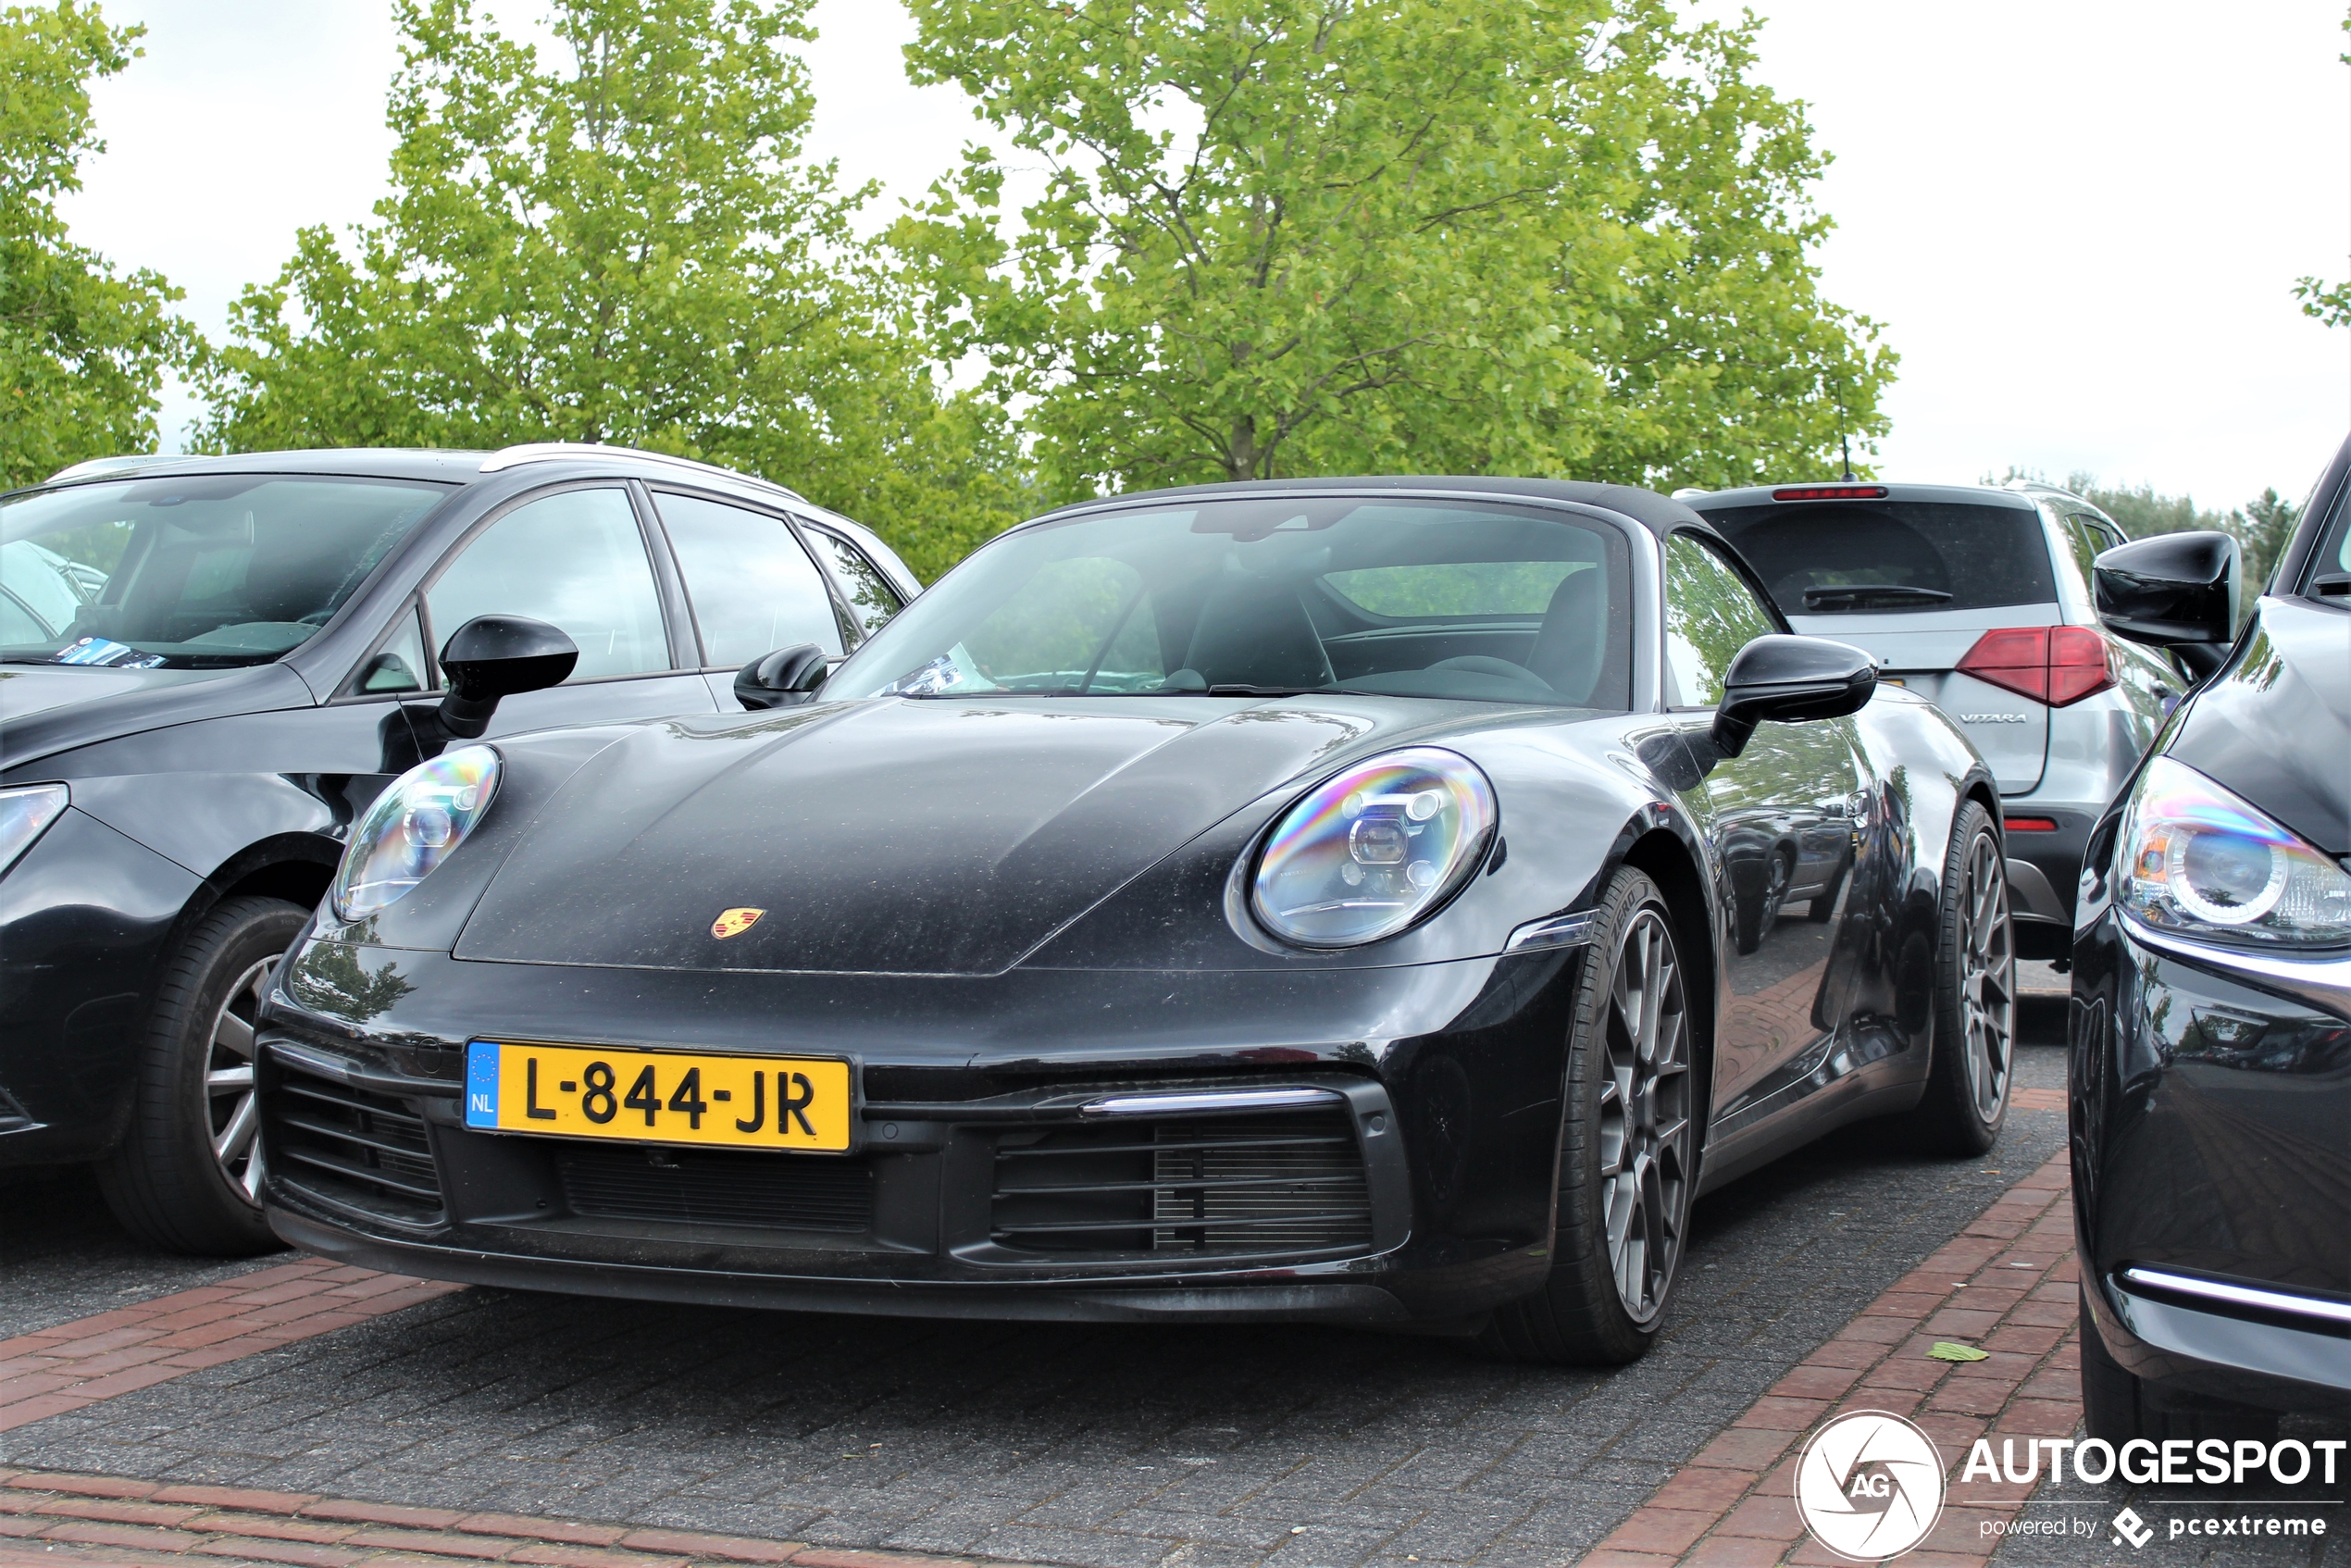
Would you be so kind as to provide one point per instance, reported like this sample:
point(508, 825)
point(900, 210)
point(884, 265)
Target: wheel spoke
point(232, 1033)
point(230, 1080)
point(249, 1181)
point(231, 1140)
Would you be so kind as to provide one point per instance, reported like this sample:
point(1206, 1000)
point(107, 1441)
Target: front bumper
point(2044, 871)
point(1416, 1187)
point(2211, 1169)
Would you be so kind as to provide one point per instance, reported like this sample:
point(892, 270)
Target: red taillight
point(1831, 492)
point(2032, 823)
point(2056, 665)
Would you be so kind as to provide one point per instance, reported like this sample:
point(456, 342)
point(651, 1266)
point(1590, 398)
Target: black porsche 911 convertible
point(1354, 901)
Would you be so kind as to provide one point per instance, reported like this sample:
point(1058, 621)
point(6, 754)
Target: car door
point(577, 558)
point(1779, 818)
point(752, 586)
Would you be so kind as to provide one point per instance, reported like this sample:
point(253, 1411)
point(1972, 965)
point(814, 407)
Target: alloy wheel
point(1645, 1116)
point(1987, 978)
point(233, 1114)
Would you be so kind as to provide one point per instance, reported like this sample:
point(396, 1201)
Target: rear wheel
point(187, 1175)
point(2117, 1406)
point(1974, 1031)
point(1627, 1147)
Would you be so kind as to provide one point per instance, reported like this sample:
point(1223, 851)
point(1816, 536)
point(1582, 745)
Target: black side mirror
point(494, 656)
point(781, 679)
point(1790, 679)
point(2176, 590)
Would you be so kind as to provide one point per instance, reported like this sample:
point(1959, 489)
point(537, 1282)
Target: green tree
point(1314, 236)
point(2330, 302)
point(82, 351)
point(621, 244)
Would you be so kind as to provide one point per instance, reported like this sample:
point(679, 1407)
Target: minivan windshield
point(207, 572)
point(1270, 596)
point(1881, 557)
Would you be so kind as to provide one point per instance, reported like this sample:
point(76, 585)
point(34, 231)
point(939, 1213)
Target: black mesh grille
point(1225, 1186)
point(770, 1192)
point(352, 1146)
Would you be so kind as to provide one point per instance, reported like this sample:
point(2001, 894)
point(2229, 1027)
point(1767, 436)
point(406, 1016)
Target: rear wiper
point(1859, 594)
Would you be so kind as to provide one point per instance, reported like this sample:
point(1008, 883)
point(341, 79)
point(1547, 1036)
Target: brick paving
point(78, 1364)
point(2005, 1284)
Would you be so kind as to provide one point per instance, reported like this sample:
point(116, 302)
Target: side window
point(754, 588)
point(399, 665)
point(574, 560)
point(2086, 539)
point(871, 599)
point(1710, 614)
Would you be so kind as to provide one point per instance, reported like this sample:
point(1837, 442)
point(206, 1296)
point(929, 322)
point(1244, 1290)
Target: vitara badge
point(735, 922)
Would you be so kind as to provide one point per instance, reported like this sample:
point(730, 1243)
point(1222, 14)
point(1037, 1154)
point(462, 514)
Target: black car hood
point(50, 708)
point(889, 836)
point(2276, 726)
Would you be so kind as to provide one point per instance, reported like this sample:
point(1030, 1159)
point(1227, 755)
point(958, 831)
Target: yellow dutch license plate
point(802, 1102)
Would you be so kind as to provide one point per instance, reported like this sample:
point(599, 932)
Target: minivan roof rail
point(555, 451)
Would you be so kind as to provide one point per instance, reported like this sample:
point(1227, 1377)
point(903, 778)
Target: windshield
point(200, 573)
point(1269, 596)
point(1849, 557)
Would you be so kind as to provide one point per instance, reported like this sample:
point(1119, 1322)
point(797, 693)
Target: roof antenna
point(1846, 448)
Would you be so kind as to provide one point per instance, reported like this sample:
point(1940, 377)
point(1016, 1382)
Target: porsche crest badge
point(735, 922)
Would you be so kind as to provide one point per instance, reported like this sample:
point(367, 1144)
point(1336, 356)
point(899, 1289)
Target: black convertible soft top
point(1652, 511)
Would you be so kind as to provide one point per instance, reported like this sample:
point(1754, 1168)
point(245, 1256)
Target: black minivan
point(2211, 1012)
point(210, 667)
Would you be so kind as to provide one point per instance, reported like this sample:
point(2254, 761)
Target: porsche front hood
point(886, 836)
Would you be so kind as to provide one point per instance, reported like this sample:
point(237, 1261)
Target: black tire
point(1628, 1146)
point(2117, 1407)
point(1972, 1060)
point(165, 1181)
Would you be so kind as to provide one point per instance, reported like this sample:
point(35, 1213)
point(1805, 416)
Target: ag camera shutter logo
point(1870, 1485)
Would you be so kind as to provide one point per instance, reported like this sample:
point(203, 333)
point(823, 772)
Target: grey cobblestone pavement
point(62, 1256)
point(1091, 1446)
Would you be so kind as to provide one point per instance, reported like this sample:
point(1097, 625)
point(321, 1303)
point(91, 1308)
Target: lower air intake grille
point(1228, 1186)
point(768, 1191)
point(350, 1146)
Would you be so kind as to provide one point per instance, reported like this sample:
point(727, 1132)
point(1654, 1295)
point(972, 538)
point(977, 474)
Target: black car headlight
point(1370, 852)
point(2198, 861)
point(412, 827)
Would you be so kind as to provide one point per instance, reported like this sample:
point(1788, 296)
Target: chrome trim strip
point(1208, 1100)
point(555, 451)
point(2240, 1295)
point(2323, 982)
point(1559, 931)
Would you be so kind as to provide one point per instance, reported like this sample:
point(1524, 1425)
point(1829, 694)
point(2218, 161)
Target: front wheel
point(1628, 1146)
point(187, 1175)
point(1974, 1032)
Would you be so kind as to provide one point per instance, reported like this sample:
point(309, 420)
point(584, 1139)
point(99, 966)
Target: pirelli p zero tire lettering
point(1628, 1146)
point(187, 1175)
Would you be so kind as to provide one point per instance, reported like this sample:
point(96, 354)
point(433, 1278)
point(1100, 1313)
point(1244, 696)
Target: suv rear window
point(1848, 557)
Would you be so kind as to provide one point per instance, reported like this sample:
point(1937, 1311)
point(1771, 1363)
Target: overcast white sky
point(2079, 220)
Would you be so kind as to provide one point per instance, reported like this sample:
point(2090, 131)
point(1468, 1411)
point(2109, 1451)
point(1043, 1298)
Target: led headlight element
point(2198, 861)
point(25, 814)
point(412, 827)
point(1367, 853)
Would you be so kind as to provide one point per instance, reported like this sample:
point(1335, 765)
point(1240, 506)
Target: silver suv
point(1978, 598)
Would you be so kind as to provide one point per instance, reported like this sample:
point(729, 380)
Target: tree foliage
point(1311, 236)
point(82, 351)
point(2329, 302)
point(622, 245)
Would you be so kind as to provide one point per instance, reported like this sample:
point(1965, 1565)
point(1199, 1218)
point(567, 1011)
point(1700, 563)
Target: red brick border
point(47, 1517)
point(91, 1359)
point(2005, 1284)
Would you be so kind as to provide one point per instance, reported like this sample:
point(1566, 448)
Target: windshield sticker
point(101, 651)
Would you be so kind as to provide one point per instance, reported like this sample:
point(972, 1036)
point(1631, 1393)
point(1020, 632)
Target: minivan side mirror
point(2176, 590)
point(1789, 679)
point(781, 679)
point(495, 656)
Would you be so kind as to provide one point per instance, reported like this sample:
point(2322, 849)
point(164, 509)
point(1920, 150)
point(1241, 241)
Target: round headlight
point(2202, 861)
point(1367, 853)
point(414, 825)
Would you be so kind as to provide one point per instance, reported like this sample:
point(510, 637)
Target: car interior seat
point(1257, 633)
